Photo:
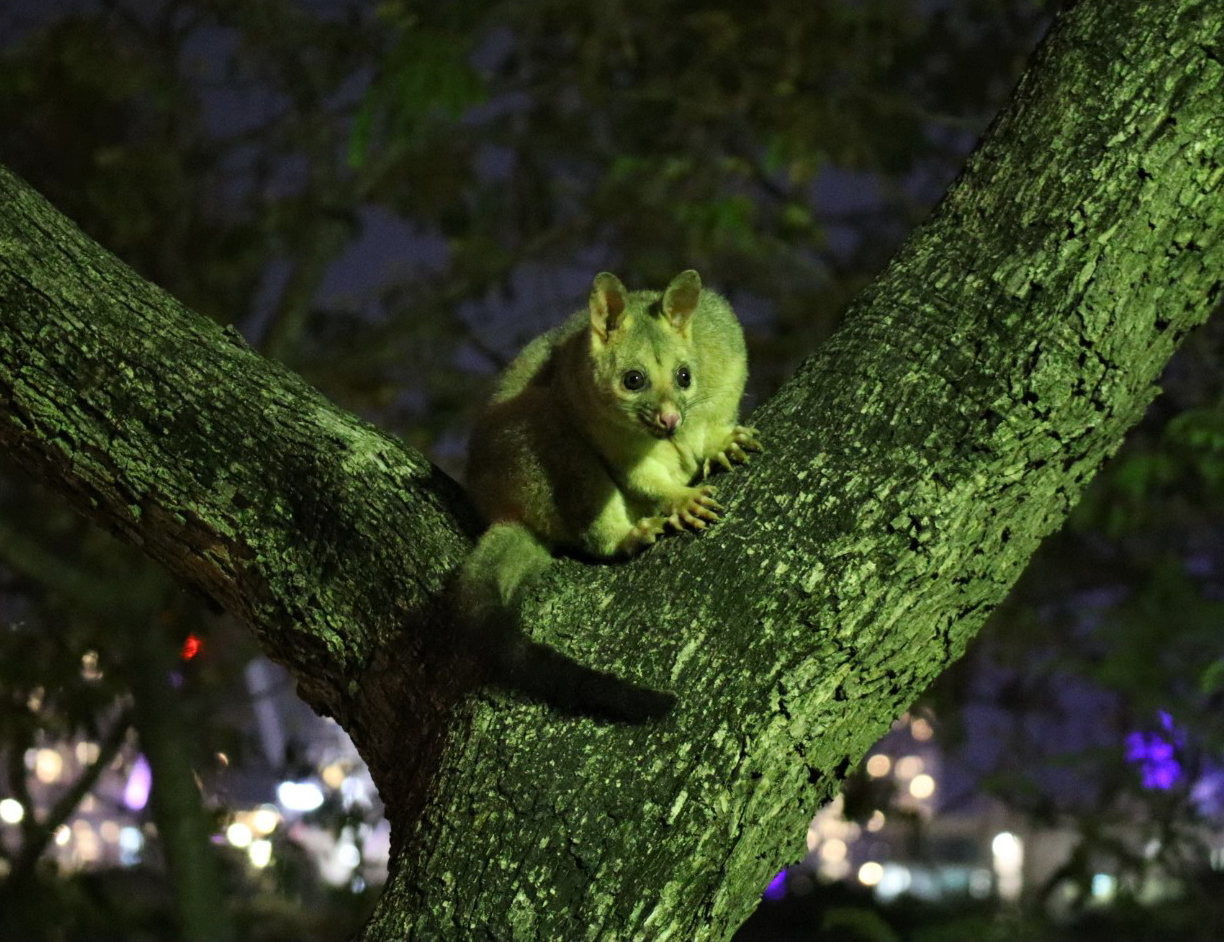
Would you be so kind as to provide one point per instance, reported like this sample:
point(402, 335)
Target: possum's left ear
point(680, 299)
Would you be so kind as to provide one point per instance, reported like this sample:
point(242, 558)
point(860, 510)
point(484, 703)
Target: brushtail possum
point(595, 442)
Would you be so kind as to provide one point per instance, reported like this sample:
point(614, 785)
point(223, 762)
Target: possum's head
point(646, 372)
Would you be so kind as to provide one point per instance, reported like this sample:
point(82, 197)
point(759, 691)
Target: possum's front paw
point(734, 450)
point(641, 535)
point(694, 509)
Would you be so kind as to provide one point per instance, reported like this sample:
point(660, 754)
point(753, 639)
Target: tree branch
point(173, 433)
point(38, 834)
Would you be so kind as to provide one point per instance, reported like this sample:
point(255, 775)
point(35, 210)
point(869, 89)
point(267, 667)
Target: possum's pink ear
point(680, 299)
point(608, 304)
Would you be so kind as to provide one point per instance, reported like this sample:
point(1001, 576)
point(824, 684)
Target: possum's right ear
point(608, 305)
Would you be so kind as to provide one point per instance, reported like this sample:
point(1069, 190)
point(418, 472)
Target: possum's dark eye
point(634, 380)
point(684, 377)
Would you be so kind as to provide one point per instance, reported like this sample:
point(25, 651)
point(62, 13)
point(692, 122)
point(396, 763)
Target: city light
point(48, 766)
point(870, 873)
point(922, 786)
point(878, 765)
point(89, 666)
point(333, 775)
point(876, 821)
point(265, 820)
point(1006, 847)
point(980, 883)
point(140, 780)
point(909, 766)
point(260, 853)
point(299, 796)
point(1008, 853)
point(353, 793)
point(921, 730)
point(11, 811)
point(191, 647)
point(85, 840)
point(348, 855)
point(895, 879)
point(833, 850)
point(239, 835)
point(131, 842)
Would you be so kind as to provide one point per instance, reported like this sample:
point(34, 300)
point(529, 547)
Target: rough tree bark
point(913, 465)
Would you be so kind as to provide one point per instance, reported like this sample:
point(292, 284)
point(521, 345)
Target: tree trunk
point(912, 467)
point(200, 904)
point(184, 824)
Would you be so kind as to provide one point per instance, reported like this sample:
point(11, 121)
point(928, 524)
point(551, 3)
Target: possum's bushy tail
point(508, 557)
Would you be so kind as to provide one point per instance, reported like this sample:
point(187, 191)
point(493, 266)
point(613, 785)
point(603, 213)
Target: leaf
point(851, 923)
point(1212, 679)
point(359, 138)
point(427, 82)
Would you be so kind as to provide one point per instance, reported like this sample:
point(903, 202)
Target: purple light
point(1163, 775)
point(777, 886)
point(1207, 793)
point(1155, 755)
point(136, 791)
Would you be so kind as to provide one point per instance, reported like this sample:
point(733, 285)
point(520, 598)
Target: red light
point(191, 647)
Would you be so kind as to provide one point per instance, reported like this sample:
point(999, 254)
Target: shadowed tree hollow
point(913, 464)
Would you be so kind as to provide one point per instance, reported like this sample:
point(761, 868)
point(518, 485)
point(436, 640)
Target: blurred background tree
point(390, 199)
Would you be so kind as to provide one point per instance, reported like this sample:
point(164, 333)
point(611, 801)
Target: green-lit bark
point(913, 466)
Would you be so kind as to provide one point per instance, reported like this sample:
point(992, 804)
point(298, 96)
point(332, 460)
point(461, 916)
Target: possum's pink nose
point(668, 421)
